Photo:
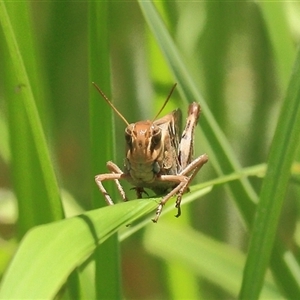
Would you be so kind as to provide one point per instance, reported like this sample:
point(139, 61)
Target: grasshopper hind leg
point(192, 169)
point(165, 199)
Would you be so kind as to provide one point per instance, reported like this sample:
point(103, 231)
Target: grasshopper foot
point(177, 205)
point(178, 211)
point(158, 213)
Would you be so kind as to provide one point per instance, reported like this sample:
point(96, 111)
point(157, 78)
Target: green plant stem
point(107, 279)
point(43, 157)
point(282, 153)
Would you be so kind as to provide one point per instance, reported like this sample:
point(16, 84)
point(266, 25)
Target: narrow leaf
point(219, 263)
point(52, 202)
point(283, 150)
point(62, 246)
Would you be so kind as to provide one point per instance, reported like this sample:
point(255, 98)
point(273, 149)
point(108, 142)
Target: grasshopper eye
point(156, 137)
point(128, 134)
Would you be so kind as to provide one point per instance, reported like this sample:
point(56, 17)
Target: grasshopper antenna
point(166, 101)
point(109, 103)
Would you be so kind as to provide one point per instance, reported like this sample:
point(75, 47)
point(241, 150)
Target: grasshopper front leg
point(193, 167)
point(116, 174)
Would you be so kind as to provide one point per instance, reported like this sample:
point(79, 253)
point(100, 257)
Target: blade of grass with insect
point(75, 234)
point(201, 189)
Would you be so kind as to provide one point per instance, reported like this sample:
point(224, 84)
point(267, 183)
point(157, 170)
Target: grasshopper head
point(143, 141)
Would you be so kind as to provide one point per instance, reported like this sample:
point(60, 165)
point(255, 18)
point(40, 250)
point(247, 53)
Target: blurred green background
point(240, 56)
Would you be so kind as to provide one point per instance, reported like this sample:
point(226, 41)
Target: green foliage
point(65, 245)
point(31, 163)
point(57, 133)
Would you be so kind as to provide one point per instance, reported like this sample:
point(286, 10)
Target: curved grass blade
point(62, 246)
point(200, 190)
point(196, 193)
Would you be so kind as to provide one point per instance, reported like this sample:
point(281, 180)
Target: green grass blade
point(201, 189)
point(274, 15)
point(283, 150)
point(24, 101)
point(62, 246)
point(107, 280)
point(219, 263)
point(4, 147)
point(196, 193)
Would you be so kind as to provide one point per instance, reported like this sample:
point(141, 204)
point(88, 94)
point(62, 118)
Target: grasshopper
point(155, 156)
